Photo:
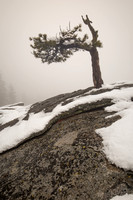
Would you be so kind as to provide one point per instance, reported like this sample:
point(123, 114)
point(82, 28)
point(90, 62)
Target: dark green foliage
point(62, 47)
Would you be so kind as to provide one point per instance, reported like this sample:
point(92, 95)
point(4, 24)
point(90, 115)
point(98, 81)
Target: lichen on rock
point(66, 162)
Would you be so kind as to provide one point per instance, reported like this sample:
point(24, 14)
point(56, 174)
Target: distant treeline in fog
point(7, 93)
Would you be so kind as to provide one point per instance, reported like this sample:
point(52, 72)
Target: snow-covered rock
point(82, 142)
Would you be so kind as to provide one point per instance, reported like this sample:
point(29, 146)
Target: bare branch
point(93, 31)
point(60, 48)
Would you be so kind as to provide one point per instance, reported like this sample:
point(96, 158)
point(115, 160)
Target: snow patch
point(11, 112)
point(117, 138)
point(124, 197)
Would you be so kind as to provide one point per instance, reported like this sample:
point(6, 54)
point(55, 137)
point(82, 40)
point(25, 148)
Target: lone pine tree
point(68, 42)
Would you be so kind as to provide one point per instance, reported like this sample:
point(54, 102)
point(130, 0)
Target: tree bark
point(96, 73)
point(97, 77)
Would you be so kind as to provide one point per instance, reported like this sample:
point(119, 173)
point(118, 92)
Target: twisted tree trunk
point(96, 73)
point(97, 77)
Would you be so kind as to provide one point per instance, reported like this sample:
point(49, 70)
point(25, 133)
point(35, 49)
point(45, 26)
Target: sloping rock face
point(66, 160)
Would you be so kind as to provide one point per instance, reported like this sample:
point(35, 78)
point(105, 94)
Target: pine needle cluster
point(60, 48)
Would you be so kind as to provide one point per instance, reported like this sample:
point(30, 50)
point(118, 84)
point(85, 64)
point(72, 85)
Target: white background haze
point(34, 81)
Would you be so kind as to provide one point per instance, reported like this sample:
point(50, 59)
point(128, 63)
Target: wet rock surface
point(67, 162)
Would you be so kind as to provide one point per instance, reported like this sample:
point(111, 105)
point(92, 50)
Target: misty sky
point(34, 81)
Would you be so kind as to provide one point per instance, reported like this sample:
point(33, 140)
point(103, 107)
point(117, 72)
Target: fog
point(33, 81)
